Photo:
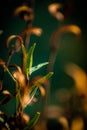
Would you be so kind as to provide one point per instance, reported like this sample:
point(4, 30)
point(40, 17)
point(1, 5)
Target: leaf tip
point(38, 113)
point(34, 44)
point(51, 73)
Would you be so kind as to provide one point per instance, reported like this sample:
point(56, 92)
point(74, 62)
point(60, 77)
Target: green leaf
point(43, 79)
point(23, 48)
point(33, 121)
point(37, 67)
point(29, 60)
point(24, 57)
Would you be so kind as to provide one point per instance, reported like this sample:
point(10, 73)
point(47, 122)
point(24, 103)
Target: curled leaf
point(18, 42)
point(26, 117)
point(54, 10)
point(40, 87)
point(70, 28)
point(42, 94)
point(16, 66)
point(25, 12)
point(7, 97)
point(37, 83)
point(43, 79)
point(74, 29)
point(79, 76)
point(28, 96)
point(20, 78)
point(42, 91)
point(32, 30)
point(22, 8)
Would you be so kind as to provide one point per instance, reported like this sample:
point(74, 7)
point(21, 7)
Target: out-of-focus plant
point(61, 13)
point(79, 77)
point(25, 88)
point(54, 43)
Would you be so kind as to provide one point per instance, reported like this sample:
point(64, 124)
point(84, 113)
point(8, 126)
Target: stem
point(27, 41)
point(9, 59)
point(11, 75)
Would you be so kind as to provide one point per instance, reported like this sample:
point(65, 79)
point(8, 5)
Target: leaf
point(23, 49)
point(37, 67)
point(29, 60)
point(27, 99)
point(43, 79)
point(2, 63)
point(36, 85)
point(79, 76)
point(7, 98)
point(24, 57)
point(33, 121)
point(23, 8)
point(20, 78)
point(15, 66)
point(18, 43)
point(42, 94)
point(32, 30)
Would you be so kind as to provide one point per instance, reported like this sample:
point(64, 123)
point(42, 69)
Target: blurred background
point(65, 49)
